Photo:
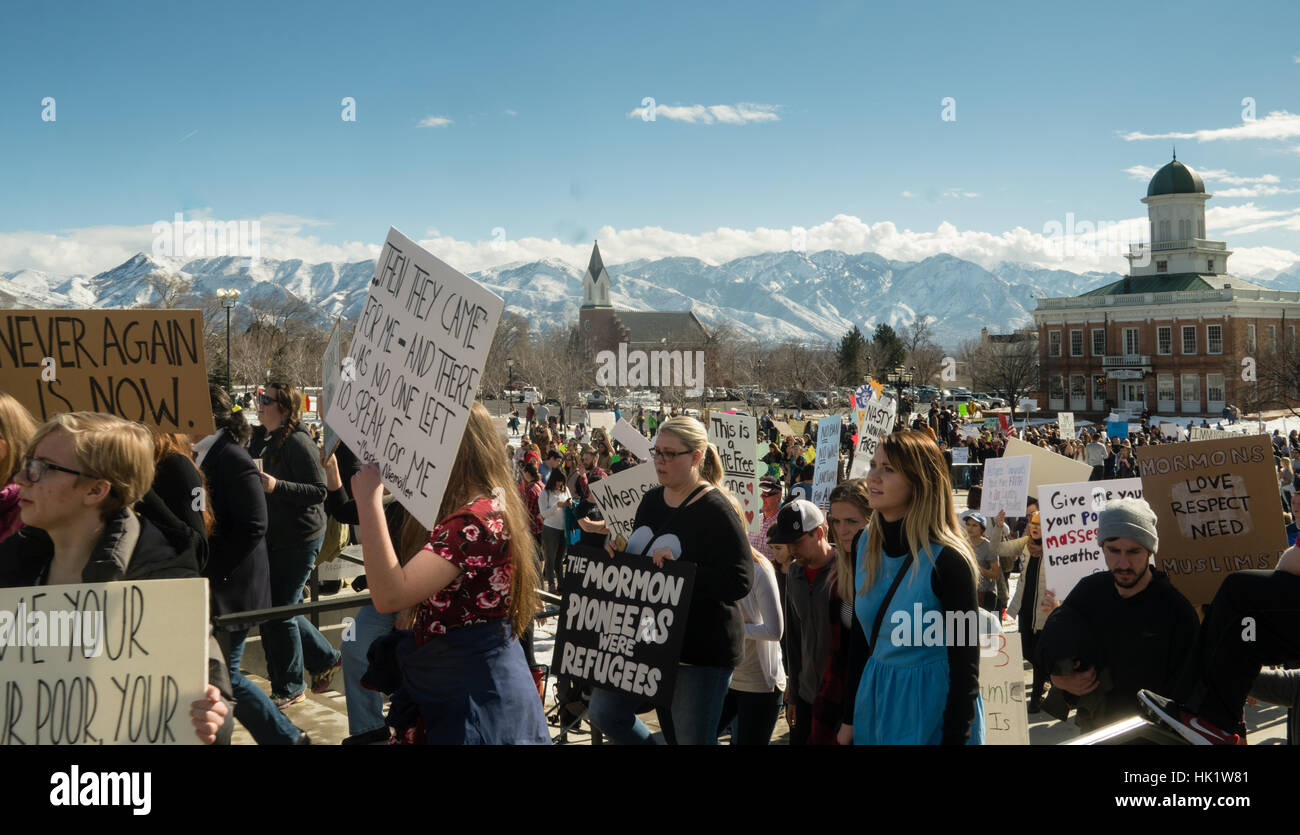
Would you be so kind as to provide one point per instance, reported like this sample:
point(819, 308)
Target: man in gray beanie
point(1119, 629)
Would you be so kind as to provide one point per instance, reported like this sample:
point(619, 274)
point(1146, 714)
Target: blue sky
point(233, 112)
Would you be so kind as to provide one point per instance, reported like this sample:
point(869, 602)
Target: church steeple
point(595, 282)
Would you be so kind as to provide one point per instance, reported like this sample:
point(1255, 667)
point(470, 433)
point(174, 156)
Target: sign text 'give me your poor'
point(413, 370)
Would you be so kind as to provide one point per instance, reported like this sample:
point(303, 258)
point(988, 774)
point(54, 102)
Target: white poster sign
point(826, 469)
point(1069, 516)
point(1065, 423)
point(1002, 690)
point(330, 373)
point(1048, 467)
point(1006, 486)
point(636, 443)
point(602, 420)
point(961, 455)
point(417, 353)
point(619, 495)
point(879, 422)
point(734, 436)
point(103, 663)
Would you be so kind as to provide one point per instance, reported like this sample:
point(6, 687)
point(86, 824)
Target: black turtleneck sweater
point(954, 584)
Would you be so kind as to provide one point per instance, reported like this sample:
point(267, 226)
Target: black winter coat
point(237, 566)
point(296, 507)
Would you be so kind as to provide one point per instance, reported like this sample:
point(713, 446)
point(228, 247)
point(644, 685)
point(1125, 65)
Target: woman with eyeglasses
point(294, 483)
point(81, 477)
point(16, 429)
point(689, 517)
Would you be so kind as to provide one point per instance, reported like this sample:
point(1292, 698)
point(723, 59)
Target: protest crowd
point(794, 613)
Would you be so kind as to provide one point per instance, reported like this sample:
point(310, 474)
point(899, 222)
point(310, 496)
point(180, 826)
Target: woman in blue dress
point(917, 676)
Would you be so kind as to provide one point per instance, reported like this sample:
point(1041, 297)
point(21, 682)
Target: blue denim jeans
point(365, 707)
point(253, 709)
point(614, 713)
point(697, 705)
point(291, 643)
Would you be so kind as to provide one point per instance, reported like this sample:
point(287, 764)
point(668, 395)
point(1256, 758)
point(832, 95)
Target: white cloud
point(956, 192)
point(906, 194)
point(1277, 125)
point(1098, 245)
point(1255, 191)
point(698, 114)
point(434, 122)
point(512, 112)
point(1140, 172)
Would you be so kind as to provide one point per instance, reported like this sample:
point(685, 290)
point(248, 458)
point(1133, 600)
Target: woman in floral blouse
point(474, 584)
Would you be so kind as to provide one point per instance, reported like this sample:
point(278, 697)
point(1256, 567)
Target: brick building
point(1172, 334)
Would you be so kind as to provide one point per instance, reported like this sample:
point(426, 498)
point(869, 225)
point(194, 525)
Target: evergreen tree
point(852, 358)
point(887, 348)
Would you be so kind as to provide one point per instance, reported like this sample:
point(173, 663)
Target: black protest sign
point(142, 365)
point(623, 622)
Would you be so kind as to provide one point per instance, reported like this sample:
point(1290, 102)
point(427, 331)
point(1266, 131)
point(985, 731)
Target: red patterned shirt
point(475, 540)
point(531, 493)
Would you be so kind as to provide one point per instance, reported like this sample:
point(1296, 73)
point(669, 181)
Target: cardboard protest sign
point(1069, 516)
point(141, 365)
point(826, 471)
point(1027, 405)
point(960, 455)
point(1006, 486)
point(879, 423)
point(993, 424)
point(1217, 510)
point(970, 430)
point(634, 441)
point(962, 410)
point(619, 495)
point(1048, 467)
point(602, 420)
point(1065, 424)
point(331, 371)
point(1002, 690)
point(734, 436)
point(783, 428)
point(623, 623)
point(103, 663)
point(416, 357)
point(1172, 430)
point(798, 427)
point(1117, 429)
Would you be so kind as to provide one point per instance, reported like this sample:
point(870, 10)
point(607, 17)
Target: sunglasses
point(34, 469)
point(264, 400)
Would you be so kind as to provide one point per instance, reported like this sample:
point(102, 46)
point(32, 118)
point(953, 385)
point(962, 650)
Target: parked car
point(597, 399)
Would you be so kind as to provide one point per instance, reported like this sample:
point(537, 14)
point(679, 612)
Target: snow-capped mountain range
point(772, 297)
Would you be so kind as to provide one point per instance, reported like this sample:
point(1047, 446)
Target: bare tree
point(1277, 377)
point(1009, 366)
point(170, 288)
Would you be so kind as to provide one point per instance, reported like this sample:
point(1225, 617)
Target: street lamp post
point(510, 374)
point(228, 298)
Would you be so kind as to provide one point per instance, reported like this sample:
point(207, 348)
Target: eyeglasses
point(264, 400)
point(34, 469)
point(666, 454)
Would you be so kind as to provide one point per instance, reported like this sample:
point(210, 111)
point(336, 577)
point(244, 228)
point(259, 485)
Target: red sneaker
point(1195, 729)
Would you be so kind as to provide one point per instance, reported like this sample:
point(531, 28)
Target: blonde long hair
point(932, 515)
point(17, 426)
point(853, 492)
point(692, 434)
point(481, 470)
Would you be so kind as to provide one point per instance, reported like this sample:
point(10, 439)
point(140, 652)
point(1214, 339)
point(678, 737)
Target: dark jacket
point(132, 548)
point(238, 567)
point(295, 508)
point(1134, 643)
